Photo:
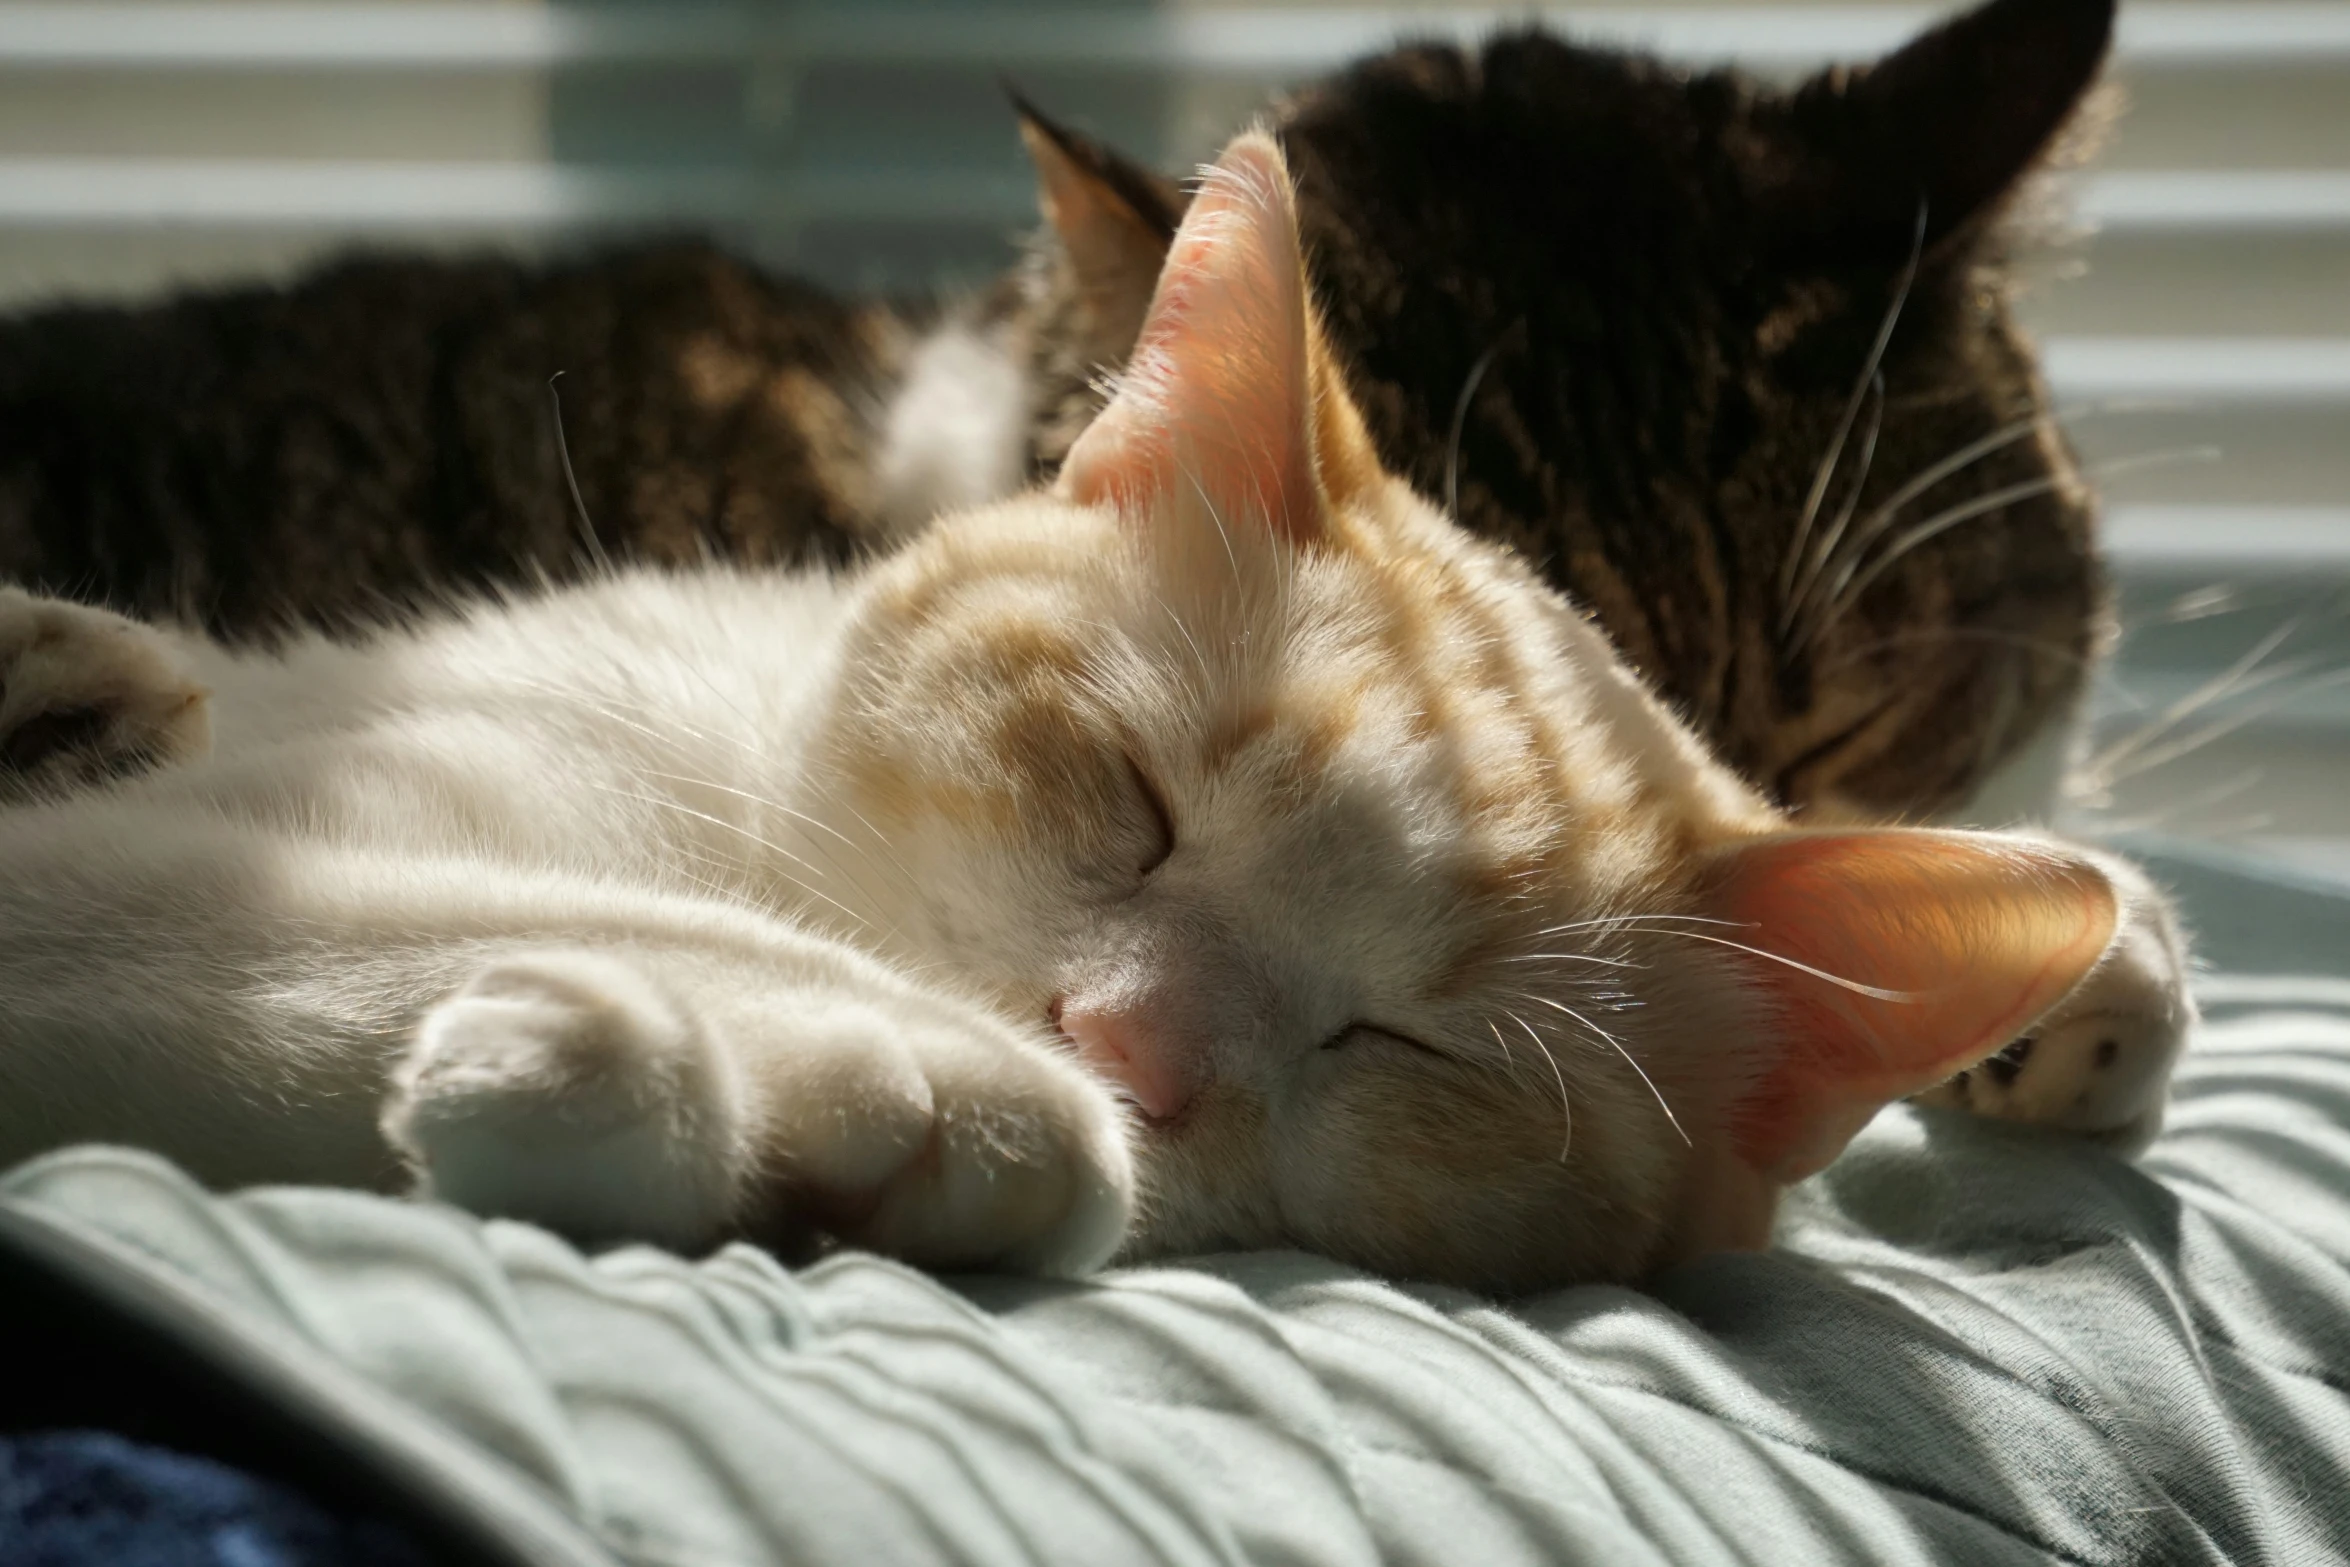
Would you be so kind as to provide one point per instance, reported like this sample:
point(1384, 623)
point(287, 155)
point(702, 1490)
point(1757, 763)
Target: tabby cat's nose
point(1120, 1044)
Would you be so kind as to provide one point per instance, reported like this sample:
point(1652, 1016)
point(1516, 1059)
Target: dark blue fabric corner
point(95, 1499)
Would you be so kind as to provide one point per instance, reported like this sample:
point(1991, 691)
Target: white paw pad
point(1042, 1186)
point(944, 1138)
point(86, 694)
point(2099, 1064)
point(566, 1089)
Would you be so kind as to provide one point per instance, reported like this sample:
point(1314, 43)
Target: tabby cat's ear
point(1903, 956)
point(1113, 220)
point(1947, 124)
point(1228, 398)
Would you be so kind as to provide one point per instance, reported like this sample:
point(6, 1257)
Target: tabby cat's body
point(382, 432)
point(1617, 312)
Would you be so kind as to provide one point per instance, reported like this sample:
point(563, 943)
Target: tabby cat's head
point(1417, 932)
point(1627, 315)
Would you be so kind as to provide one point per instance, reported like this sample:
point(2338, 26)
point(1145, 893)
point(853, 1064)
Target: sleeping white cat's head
point(1416, 931)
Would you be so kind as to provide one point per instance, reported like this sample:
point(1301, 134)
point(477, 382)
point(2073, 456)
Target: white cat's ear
point(1220, 400)
point(1904, 956)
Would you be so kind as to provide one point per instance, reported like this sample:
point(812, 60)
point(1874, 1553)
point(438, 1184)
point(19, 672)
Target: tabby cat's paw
point(933, 1132)
point(2100, 1063)
point(86, 694)
point(566, 1089)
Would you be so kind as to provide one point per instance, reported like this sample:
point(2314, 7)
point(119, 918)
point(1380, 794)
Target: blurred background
point(2199, 332)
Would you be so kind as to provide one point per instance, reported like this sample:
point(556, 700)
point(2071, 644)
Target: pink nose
point(1121, 1046)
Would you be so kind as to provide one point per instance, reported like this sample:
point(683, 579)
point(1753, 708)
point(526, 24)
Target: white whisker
point(768, 844)
point(1207, 672)
point(1834, 456)
point(1838, 980)
point(1508, 1059)
point(583, 697)
point(894, 868)
point(1886, 513)
point(1834, 534)
point(2046, 647)
point(1617, 1045)
point(2196, 740)
point(2234, 680)
point(1857, 580)
point(1239, 585)
point(599, 703)
point(1460, 422)
point(1632, 921)
point(1566, 1103)
point(1965, 457)
point(2249, 779)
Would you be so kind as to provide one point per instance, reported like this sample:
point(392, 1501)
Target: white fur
point(956, 430)
point(567, 1086)
point(2100, 1064)
point(554, 908)
point(547, 844)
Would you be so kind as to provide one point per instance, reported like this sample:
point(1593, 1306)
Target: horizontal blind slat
point(131, 191)
point(1266, 38)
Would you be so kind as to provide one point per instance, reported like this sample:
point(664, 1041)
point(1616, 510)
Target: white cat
point(1219, 849)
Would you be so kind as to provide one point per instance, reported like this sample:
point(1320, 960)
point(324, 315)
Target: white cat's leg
point(614, 1060)
point(566, 1088)
point(2100, 1063)
point(86, 694)
point(680, 1098)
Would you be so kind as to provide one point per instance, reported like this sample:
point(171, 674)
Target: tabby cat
point(1621, 316)
point(1224, 778)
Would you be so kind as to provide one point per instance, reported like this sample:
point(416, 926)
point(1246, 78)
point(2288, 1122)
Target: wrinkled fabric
point(1974, 1344)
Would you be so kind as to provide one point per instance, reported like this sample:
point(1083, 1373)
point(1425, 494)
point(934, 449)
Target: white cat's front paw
point(2100, 1064)
point(567, 1089)
point(935, 1133)
point(86, 694)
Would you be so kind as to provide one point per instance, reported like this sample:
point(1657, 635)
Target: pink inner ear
point(1966, 939)
point(1217, 394)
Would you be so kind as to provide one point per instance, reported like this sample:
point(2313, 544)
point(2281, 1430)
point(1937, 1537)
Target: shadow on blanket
point(114, 1373)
